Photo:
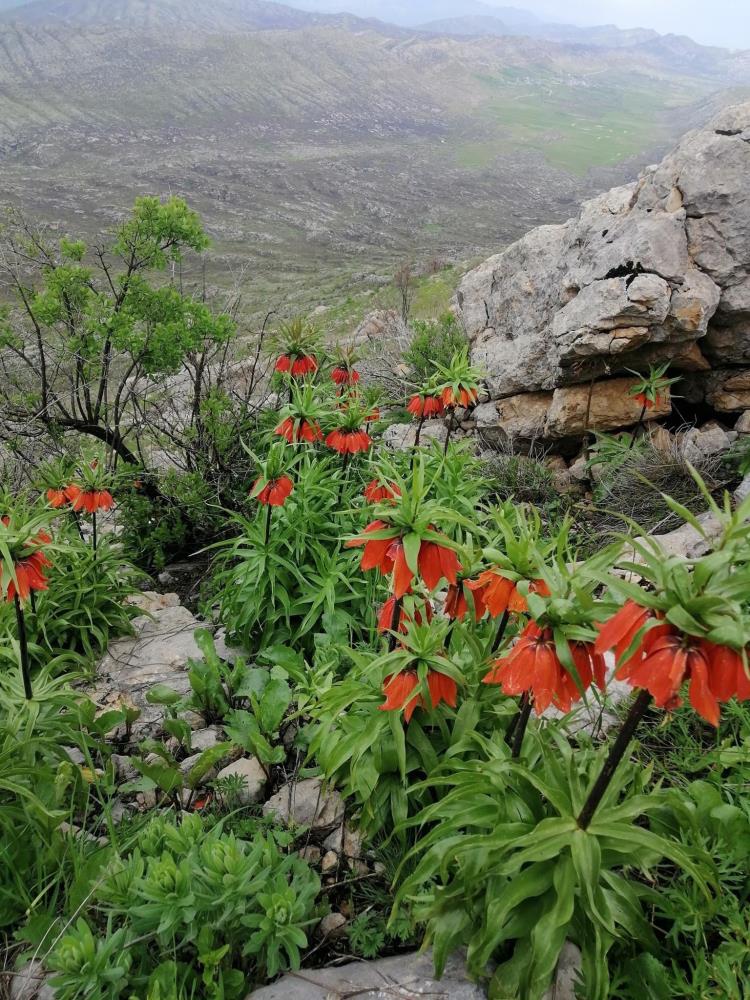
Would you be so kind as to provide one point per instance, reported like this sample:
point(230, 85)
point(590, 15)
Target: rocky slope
point(655, 270)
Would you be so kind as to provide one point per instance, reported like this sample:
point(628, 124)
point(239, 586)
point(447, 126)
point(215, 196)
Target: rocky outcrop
point(655, 270)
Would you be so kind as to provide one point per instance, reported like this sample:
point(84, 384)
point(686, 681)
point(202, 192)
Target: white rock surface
point(255, 781)
point(307, 803)
point(157, 654)
point(405, 977)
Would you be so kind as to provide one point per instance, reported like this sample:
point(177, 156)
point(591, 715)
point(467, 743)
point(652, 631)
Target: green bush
point(193, 908)
point(434, 342)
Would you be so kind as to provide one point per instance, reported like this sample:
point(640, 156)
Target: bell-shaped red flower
point(424, 407)
point(342, 375)
point(499, 594)
point(621, 629)
point(275, 492)
point(347, 442)
point(375, 555)
point(670, 658)
point(91, 501)
point(533, 665)
point(464, 397)
point(28, 570)
point(298, 365)
point(377, 492)
point(646, 403)
point(304, 431)
point(399, 692)
point(57, 498)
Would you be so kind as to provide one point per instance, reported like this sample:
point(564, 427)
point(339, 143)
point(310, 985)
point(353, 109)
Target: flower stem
point(497, 642)
point(616, 753)
point(448, 435)
point(269, 512)
point(77, 520)
point(395, 619)
point(344, 479)
point(517, 729)
point(93, 526)
point(419, 431)
point(23, 645)
point(637, 427)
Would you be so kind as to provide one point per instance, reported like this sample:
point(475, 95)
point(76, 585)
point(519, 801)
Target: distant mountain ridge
point(322, 143)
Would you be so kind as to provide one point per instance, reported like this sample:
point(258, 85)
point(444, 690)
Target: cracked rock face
point(654, 270)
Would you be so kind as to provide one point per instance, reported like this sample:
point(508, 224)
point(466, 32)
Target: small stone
point(330, 862)
point(124, 769)
point(205, 739)
point(254, 786)
point(701, 443)
point(26, 983)
point(305, 803)
point(743, 423)
point(344, 841)
point(75, 755)
point(310, 854)
point(146, 800)
point(332, 925)
point(119, 811)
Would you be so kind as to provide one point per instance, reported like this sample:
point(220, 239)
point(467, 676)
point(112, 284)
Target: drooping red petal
point(442, 688)
point(402, 575)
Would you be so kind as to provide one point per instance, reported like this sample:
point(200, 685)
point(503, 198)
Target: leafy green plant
point(434, 342)
point(367, 935)
point(224, 909)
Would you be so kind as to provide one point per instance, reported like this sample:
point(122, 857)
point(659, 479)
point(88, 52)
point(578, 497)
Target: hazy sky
point(713, 22)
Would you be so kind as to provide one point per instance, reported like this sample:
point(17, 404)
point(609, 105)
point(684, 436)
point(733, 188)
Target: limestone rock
point(157, 654)
point(516, 420)
point(611, 407)
point(643, 273)
point(408, 976)
point(307, 803)
point(205, 739)
point(400, 437)
point(729, 390)
point(743, 423)
point(255, 777)
point(344, 841)
point(700, 443)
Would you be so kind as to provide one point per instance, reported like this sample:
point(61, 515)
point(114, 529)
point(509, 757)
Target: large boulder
point(655, 270)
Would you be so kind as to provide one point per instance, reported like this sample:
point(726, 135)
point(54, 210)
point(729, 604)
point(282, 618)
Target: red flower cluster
point(91, 501)
point(464, 398)
point(376, 492)
point(533, 665)
point(434, 561)
point(349, 442)
point(499, 594)
point(425, 406)
point(305, 431)
point(28, 570)
point(298, 366)
point(345, 376)
point(275, 492)
point(665, 658)
point(399, 692)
